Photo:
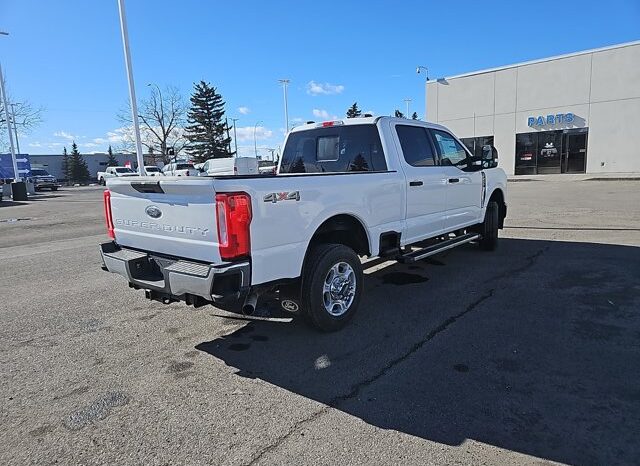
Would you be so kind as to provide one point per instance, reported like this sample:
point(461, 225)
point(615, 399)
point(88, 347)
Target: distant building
point(575, 113)
point(95, 162)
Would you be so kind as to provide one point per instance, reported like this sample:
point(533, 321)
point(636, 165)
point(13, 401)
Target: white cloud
point(89, 144)
point(314, 88)
point(245, 133)
point(64, 134)
point(244, 110)
point(100, 140)
point(34, 144)
point(318, 113)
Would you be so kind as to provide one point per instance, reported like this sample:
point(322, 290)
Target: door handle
point(415, 183)
point(454, 180)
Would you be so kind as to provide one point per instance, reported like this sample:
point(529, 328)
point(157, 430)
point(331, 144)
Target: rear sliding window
point(352, 148)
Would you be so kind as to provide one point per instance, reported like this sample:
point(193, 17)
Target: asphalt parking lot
point(522, 356)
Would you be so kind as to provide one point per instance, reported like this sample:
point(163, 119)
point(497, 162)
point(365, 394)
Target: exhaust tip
point(249, 306)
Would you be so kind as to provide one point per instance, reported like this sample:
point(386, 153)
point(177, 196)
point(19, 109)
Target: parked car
point(43, 180)
point(152, 170)
point(180, 169)
point(268, 169)
point(230, 166)
point(114, 172)
point(379, 187)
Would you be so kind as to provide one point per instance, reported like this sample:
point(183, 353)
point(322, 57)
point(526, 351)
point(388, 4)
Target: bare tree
point(162, 118)
point(27, 117)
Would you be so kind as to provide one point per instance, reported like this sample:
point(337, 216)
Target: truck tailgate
point(166, 215)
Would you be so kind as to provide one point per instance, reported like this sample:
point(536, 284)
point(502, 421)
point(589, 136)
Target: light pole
point(420, 68)
point(15, 127)
point(235, 139)
point(285, 83)
point(255, 141)
point(132, 89)
point(407, 101)
point(16, 175)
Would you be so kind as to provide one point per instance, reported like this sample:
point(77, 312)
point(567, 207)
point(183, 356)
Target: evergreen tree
point(65, 165)
point(359, 164)
point(206, 129)
point(354, 111)
point(78, 170)
point(414, 116)
point(399, 114)
point(111, 160)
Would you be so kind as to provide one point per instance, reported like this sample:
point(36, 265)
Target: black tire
point(489, 228)
point(318, 264)
point(102, 182)
point(55, 188)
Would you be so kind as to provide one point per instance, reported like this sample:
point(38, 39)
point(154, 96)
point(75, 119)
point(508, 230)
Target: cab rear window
point(335, 149)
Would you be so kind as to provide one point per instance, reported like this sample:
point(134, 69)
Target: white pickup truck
point(389, 187)
point(114, 172)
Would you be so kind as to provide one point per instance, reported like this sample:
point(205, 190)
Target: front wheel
point(331, 286)
point(489, 228)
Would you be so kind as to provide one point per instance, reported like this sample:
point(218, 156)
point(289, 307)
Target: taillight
point(107, 214)
point(234, 217)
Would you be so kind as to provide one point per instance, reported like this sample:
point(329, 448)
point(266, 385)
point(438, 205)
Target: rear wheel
point(331, 286)
point(55, 188)
point(489, 228)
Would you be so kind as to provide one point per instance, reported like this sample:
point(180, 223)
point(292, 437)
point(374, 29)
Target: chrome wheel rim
point(339, 289)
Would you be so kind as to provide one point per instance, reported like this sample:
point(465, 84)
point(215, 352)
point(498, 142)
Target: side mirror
point(489, 156)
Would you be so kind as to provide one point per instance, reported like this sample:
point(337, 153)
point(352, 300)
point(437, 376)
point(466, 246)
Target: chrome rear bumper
point(169, 279)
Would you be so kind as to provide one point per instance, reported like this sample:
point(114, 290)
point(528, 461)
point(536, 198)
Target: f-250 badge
point(277, 197)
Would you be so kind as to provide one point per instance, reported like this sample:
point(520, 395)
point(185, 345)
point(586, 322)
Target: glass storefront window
point(545, 152)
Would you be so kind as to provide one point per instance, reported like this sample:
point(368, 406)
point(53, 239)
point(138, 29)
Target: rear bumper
point(168, 279)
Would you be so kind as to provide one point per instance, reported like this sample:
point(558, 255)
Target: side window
point(451, 151)
point(416, 146)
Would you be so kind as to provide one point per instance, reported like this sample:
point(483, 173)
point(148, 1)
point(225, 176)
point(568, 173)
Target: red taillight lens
point(234, 218)
point(107, 214)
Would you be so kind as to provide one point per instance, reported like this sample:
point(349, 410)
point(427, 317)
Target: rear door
point(425, 184)
point(464, 187)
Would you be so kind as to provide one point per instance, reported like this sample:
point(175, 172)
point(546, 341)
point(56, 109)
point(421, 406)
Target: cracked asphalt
point(526, 355)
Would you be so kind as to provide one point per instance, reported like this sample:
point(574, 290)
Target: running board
point(436, 248)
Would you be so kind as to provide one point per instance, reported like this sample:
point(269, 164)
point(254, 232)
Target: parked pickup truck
point(114, 172)
point(390, 187)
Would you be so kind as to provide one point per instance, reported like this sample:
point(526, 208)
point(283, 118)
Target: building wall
point(95, 162)
point(601, 88)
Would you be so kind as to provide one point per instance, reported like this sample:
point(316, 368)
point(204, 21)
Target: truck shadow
point(534, 348)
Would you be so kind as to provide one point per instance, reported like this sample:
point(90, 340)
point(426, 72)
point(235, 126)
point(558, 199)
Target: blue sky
point(67, 56)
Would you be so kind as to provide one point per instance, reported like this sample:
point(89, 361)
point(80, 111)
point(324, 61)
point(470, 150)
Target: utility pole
point(226, 124)
point(235, 139)
point(15, 127)
point(285, 83)
point(255, 140)
point(407, 101)
point(132, 89)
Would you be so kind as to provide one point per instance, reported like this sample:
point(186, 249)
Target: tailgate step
point(436, 248)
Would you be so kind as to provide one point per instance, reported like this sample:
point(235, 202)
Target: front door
point(575, 152)
point(464, 183)
point(425, 206)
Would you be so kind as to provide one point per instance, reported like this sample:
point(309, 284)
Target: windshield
point(152, 169)
point(124, 170)
point(184, 166)
point(39, 172)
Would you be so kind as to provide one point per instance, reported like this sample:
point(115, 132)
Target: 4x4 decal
point(286, 196)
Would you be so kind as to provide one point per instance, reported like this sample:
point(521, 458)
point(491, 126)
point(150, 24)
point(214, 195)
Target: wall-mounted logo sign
point(551, 120)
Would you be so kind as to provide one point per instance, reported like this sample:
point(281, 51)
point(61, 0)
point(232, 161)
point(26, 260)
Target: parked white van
point(230, 166)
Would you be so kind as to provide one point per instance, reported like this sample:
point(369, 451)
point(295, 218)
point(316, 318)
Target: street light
point(16, 175)
point(235, 139)
point(255, 141)
point(407, 101)
point(285, 83)
point(132, 89)
point(426, 71)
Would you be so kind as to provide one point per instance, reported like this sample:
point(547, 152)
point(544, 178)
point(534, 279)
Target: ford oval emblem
point(153, 212)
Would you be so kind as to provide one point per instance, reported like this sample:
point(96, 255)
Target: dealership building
point(575, 113)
